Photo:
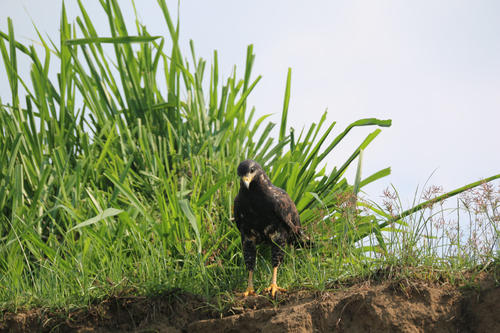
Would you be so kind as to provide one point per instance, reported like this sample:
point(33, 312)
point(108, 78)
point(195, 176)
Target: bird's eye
point(252, 169)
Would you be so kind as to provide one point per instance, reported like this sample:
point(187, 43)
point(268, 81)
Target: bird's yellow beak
point(246, 180)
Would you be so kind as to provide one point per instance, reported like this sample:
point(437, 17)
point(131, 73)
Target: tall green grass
point(111, 182)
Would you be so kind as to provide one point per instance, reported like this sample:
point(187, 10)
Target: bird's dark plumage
point(264, 213)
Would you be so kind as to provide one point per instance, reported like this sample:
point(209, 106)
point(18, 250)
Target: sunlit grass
point(112, 183)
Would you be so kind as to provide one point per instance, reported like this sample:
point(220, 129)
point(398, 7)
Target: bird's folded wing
point(285, 209)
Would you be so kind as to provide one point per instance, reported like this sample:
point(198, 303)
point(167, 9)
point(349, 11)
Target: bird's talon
point(273, 289)
point(249, 292)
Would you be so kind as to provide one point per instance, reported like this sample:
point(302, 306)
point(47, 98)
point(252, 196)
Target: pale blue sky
point(433, 67)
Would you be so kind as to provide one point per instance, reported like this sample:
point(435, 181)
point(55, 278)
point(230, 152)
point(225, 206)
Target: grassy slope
point(132, 189)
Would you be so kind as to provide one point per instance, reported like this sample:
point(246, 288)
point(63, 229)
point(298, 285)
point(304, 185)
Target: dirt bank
point(395, 306)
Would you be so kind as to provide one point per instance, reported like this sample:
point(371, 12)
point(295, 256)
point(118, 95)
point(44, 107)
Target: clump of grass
point(112, 181)
point(442, 236)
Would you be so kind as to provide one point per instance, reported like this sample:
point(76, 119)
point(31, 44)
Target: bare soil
point(384, 306)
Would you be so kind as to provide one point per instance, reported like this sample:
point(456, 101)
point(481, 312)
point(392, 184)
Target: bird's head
point(247, 171)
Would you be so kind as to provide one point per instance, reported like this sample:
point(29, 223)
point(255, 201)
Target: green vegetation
point(112, 183)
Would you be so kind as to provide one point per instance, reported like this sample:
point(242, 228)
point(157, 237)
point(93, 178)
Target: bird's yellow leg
point(273, 288)
point(249, 290)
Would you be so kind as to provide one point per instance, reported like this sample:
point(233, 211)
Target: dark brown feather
point(264, 213)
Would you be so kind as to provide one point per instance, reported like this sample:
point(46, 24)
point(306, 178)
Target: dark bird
point(264, 213)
